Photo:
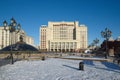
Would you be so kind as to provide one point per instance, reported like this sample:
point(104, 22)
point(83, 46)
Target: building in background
point(63, 37)
point(29, 40)
point(43, 38)
point(6, 38)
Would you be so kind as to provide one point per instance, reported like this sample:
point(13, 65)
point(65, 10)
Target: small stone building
point(113, 46)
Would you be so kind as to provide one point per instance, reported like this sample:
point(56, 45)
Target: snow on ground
point(59, 69)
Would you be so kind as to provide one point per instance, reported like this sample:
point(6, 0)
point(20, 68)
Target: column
point(65, 46)
point(49, 45)
point(69, 46)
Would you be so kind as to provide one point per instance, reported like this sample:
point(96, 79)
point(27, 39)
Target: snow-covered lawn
point(59, 69)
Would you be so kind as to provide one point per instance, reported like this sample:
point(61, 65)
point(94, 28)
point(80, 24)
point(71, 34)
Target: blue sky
point(95, 14)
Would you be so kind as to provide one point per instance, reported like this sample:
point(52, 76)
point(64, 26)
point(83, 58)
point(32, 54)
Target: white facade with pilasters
point(64, 36)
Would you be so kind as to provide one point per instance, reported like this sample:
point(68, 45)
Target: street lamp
point(92, 45)
point(12, 28)
point(96, 41)
point(106, 34)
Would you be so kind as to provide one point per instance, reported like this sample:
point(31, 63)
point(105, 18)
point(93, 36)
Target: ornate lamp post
point(92, 45)
point(12, 28)
point(106, 34)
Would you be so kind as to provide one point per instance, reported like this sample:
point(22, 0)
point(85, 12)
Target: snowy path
point(59, 69)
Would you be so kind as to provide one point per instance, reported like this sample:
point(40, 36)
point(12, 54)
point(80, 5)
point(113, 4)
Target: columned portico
point(62, 46)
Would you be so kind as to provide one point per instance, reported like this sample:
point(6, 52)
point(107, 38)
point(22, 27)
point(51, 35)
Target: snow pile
point(59, 69)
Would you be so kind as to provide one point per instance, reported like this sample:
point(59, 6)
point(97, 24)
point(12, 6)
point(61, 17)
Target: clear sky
point(95, 14)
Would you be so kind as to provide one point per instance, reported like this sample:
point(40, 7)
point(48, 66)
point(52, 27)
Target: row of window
point(63, 43)
point(43, 30)
point(63, 25)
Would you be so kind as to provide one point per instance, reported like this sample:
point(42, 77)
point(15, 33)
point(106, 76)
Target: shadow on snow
point(71, 67)
point(111, 65)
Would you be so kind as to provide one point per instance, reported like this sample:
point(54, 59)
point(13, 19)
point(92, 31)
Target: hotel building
point(63, 37)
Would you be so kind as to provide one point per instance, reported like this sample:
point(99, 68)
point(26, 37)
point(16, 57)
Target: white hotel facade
point(6, 38)
point(63, 36)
